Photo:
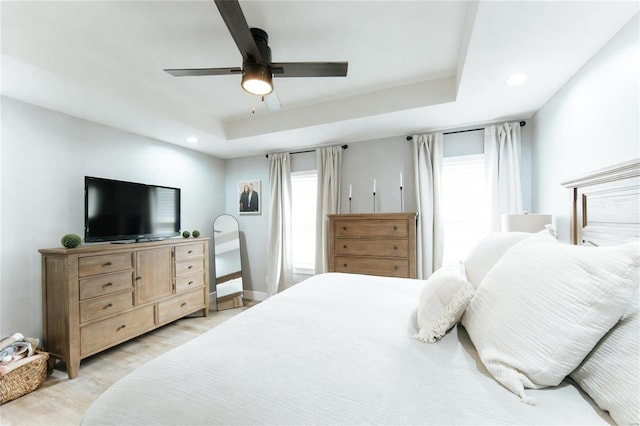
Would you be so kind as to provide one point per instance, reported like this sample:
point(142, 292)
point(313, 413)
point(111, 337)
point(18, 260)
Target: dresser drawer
point(105, 306)
point(179, 306)
point(372, 228)
point(185, 251)
point(105, 284)
point(375, 248)
point(372, 266)
point(94, 265)
point(188, 267)
point(188, 282)
point(103, 334)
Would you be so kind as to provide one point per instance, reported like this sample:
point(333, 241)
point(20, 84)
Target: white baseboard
point(255, 295)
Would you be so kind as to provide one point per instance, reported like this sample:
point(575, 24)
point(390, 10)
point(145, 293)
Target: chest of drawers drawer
point(372, 247)
point(180, 305)
point(185, 251)
point(102, 264)
point(188, 267)
point(106, 305)
point(372, 228)
point(111, 331)
point(105, 284)
point(188, 282)
point(372, 266)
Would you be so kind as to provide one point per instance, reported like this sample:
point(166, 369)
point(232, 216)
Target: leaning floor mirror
point(228, 263)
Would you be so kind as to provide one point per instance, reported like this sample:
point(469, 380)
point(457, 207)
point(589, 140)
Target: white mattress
point(335, 349)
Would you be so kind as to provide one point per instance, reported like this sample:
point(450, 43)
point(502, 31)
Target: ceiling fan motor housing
point(256, 74)
point(262, 42)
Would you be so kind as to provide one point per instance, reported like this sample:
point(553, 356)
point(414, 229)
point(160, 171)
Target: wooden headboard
point(605, 205)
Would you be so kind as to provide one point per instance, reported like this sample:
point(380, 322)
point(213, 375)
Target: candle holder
point(374, 202)
point(401, 203)
point(349, 205)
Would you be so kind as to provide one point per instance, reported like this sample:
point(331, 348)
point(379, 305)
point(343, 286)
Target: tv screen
point(117, 210)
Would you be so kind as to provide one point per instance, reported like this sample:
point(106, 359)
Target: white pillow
point(543, 307)
point(491, 248)
point(487, 252)
point(443, 299)
point(610, 374)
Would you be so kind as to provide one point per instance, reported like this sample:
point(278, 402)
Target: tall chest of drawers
point(373, 244)
point(97, 296)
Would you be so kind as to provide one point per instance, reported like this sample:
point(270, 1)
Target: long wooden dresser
point(97, 296)
point(373, 244)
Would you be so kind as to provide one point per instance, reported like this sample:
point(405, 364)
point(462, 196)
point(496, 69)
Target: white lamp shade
point(525, 222)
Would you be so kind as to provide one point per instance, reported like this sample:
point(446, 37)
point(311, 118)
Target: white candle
point(374, 185)
point(400, 179)
point(349, 190)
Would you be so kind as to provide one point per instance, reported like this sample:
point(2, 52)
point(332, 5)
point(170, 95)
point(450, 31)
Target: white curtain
point(427, 156)
point(279, 259)
point(329, 162)
point(502, 153)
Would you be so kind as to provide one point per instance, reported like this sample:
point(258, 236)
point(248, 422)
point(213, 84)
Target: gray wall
point(253, 227)
point(590, 123)
point(45, 156)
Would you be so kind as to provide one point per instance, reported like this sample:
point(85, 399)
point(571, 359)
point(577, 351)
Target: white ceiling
point(413, 66)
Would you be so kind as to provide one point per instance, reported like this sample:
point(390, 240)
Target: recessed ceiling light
point(517, 79)
point(192, 139)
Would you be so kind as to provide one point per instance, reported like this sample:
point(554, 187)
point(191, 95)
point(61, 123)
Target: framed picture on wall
point(249, 197)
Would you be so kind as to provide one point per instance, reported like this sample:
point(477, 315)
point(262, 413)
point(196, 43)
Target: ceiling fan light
point(256, 79)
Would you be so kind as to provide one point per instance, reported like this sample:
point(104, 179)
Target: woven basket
point(25, 378)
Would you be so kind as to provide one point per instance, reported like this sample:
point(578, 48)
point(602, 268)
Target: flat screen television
point(117, 210)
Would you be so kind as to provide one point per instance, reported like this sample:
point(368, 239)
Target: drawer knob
point(395, 228)
point(108, 264)
point(107, 285)
point(190, 282)
point(183, 304)
point(190, 266)
point(122, 326)
point(395, 268)
point(110, 305)
point(344, 246)
point(190, 251)
point(395, 247)
point(138, 278)
point(345, 265)
point(344, 228)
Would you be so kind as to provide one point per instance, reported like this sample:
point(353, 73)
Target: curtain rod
point(522, 123)
point(308, 150)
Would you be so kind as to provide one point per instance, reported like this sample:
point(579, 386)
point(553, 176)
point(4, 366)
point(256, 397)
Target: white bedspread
point(335, 349)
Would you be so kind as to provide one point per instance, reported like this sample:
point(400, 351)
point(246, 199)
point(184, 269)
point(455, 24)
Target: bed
point(342, 349)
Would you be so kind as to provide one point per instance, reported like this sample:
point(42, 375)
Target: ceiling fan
point(257, 69)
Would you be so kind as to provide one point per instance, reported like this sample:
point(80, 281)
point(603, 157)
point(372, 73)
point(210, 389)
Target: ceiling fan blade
point(272, 101)
point(237, 24)
point(191, 72)
point(309, 69)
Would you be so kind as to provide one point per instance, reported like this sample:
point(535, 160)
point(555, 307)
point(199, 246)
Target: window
point(465, 205)
point(303, 195)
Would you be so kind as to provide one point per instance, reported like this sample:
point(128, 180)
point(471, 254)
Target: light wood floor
point(60, 401)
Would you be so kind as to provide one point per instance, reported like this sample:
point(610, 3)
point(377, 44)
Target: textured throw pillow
point(442, 302)
point(543, 307)
point(610, 374)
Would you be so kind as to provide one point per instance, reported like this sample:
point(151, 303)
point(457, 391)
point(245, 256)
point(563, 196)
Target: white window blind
point(465, 205)
point(304, 190)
